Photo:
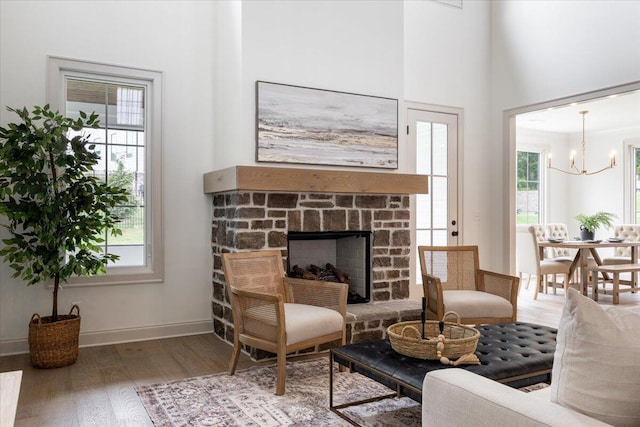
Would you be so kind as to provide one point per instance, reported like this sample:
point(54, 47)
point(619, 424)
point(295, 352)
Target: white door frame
point(411, 153)
point(509, 152)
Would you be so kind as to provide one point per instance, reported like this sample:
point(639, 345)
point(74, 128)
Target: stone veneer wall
point(254, 220)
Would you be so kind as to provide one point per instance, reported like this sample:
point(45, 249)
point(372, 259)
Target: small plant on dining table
point(590, 223)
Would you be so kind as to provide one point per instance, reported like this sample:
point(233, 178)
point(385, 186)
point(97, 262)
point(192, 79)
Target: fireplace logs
point(328, 274)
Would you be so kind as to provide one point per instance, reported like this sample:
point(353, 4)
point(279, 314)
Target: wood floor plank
point(93, 407)
point(124, 400)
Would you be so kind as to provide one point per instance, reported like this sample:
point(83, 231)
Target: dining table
point(583, 249)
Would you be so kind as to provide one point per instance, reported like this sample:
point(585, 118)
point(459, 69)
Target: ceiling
point(613, 113)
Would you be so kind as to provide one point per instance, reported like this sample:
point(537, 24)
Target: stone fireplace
point(260, 213)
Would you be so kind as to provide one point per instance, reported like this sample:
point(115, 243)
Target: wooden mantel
point(257, 178)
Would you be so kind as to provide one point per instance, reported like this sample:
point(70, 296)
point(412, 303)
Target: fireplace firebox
point(340, 256)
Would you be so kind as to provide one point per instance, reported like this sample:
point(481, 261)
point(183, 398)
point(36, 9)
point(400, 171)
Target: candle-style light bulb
point(612, 157)
point(549, 160)
point(572, 159)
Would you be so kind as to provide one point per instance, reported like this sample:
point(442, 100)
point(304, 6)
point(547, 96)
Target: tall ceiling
point(613, 113)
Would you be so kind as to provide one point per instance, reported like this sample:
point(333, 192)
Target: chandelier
point(573, 170)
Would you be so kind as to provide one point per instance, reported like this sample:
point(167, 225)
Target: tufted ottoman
point(517, 354)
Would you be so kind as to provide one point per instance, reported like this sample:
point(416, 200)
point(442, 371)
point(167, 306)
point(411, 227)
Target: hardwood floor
point(99, 389)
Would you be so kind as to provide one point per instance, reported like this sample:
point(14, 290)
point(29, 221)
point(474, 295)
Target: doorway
point(434, 135)
point(558, 116)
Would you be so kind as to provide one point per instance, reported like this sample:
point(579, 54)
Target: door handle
point(454, 233)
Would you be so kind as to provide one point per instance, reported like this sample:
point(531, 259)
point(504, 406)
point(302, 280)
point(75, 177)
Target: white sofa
point(455, 397)
point(595, 378)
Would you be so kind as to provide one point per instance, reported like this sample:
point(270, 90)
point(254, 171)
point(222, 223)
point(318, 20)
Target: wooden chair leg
point(520, 286)
point(616, 288)
point(234, 357)
point(594, 285)
point(538, 283)
point(281, 372)
point(343, 341)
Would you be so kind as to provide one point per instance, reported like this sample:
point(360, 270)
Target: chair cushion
point(596, 368)
point(554, 267)
point(470, 304)
point(305, 322)
point(616, 260)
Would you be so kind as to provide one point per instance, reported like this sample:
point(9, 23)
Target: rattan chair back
point(455, 266)
point(261, 271)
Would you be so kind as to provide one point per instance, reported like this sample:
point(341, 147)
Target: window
point(128, 142)
point(528, 188)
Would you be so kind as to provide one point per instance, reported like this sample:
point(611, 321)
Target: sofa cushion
point(455, 397)
point(596, 368)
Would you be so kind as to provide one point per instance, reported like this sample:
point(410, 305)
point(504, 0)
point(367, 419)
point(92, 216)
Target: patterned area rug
point(247, 399)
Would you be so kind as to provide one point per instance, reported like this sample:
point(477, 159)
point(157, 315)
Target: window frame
point(631, 186)
point(59, 69)
point(543, 150)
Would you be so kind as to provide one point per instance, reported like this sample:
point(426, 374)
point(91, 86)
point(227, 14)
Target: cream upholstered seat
point(525, 258)
point(279, 314)
point(558, 230)
point(528, 254)
point(629, 232)
point(453, 281)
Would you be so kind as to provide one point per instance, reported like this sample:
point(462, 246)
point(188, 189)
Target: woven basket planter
point(54, 344)
point(406, 339)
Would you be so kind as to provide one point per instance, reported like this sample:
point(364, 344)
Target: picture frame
point(296, 124)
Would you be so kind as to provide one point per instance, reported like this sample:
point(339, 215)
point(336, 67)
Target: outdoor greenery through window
point(128, 142)
point(120, 144)
point(528, 188)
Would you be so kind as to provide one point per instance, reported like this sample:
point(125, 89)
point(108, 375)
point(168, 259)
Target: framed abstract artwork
point(312, 126)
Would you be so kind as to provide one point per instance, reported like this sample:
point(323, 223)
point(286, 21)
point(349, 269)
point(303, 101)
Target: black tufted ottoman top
point(517, 354)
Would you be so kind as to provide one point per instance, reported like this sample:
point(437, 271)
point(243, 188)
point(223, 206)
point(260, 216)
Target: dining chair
point(628, 232)
point(559, 230)
point(529, 261)
point(280, 314)
point(453, 281)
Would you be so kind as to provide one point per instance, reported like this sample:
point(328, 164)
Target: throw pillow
point(596, 366)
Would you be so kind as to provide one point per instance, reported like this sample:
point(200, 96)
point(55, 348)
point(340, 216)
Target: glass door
point(435, 138)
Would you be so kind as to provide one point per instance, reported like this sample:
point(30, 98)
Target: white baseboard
point(116, 336)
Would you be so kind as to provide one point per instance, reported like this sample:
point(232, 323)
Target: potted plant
point(590, 223)
point(56, 211)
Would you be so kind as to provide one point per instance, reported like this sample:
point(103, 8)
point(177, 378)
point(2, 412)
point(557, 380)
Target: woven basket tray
point(405, 338)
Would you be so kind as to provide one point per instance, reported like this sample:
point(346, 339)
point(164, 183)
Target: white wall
point(447, 62)
point(604, 191)
point(350, 46)
point(176, 38)
point(546, 50)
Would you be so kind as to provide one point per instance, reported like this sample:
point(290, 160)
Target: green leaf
point(54, 209)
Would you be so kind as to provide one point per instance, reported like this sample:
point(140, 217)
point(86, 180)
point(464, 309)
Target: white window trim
point(629, 173)
point(58, 69)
